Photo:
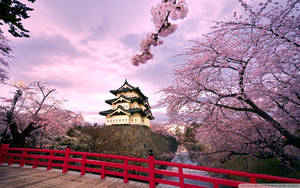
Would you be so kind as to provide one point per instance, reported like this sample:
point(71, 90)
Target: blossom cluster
point(241, 82)
point(151, 39)
point(161, 12)
point(5, 51)
point(160, 17)
point(141, 58)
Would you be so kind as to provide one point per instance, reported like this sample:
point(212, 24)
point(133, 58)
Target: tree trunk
point(18, 139)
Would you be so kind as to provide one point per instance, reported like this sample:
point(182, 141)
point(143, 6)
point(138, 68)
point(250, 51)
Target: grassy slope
point(127, 140)
point(261, 166)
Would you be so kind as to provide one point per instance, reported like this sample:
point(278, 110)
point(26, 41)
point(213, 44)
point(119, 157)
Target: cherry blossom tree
point(174, 9)
point(55, 123)
point(241, 82)
point(35, 115)
point(161, 128)
point(5, 51)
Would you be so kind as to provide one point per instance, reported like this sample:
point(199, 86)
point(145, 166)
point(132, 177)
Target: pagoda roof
point(127, 87)
point(122, 98)
point(149, 114)
point(121, 111)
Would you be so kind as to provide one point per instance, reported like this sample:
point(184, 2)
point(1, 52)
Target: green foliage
point(189, 135)
point(12, 12)
point(126, 140)
point(189, 140)
point(196, 147)
point(273, 167)
point(262, 166)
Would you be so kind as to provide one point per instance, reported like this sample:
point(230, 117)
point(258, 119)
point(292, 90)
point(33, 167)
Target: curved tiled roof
point(141, 99)
point(129, 88)
point(131, 99)
point(121, 110)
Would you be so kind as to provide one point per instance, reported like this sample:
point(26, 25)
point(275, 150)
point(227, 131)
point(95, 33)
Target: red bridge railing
point(65, 159)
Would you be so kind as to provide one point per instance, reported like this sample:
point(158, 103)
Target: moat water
point(182, 156)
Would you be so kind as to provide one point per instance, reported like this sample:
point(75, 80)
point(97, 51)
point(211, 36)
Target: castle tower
point(130, 106)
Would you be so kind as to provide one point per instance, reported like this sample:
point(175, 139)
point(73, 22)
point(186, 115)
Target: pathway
point(15, 176)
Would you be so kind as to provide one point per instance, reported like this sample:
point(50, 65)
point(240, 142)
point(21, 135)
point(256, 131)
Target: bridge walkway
point(15, 176)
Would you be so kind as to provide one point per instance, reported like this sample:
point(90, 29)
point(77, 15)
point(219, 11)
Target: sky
point(83, 50)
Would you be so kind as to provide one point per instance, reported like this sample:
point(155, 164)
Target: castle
point(130, 106)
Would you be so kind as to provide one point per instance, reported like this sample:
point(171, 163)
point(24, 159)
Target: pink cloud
point(84, 50)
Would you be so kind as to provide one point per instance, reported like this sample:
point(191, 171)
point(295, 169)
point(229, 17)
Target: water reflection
point(182, 156)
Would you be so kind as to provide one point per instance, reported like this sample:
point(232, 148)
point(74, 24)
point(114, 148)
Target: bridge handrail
point(22, 156)
point(230, 172)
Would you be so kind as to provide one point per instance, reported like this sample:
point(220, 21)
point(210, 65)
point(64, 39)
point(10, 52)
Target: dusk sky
point(84, 49)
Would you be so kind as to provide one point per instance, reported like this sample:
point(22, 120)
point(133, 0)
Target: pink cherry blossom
point(35, 116)
point(180, 10)
point(4, 53)
point(167, 30)
point(241, 84)
point(160, 18)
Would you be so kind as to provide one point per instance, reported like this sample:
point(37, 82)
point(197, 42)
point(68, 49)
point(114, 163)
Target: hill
point(127, 140)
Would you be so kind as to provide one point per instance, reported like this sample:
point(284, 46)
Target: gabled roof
point(127, 87)
point(146, 103)
point(123, 98)
point(149, 114)
point(120, 110)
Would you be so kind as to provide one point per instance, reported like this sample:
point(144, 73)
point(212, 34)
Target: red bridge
point(81, 161)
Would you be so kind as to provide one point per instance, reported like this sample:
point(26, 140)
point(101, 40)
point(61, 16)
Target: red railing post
point(103, 172)
point(181, 179)
point(3, 153)
point(125, 172)
point(10, 160)
point(67, 155)
point(252, 179)
point(83, 165)
point(1, 150)
point(50, 160)
point(22, 162)
point(151, 169)
point(35, 162)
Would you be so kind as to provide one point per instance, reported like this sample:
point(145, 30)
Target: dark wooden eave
point(129, 88)
point(139, 100)
point(111, 101)
point(146, 113)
